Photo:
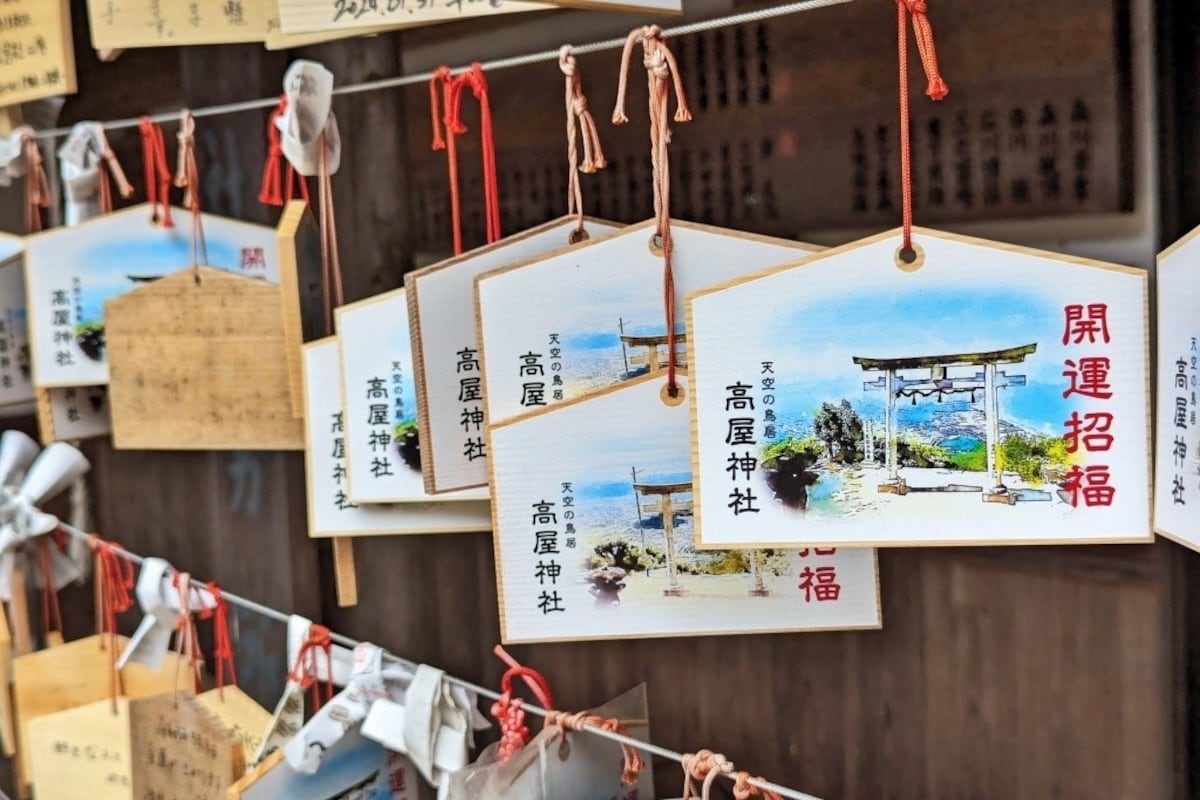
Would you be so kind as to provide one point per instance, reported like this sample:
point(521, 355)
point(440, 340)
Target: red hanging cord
point(306, 671)
point(114, 583)
point(936, 89)
point(154, 168)
point(662, 71)
point(187, 177)
point(491, 185)
point(331, 264)
point(271, 191)
point(223, 656)
point(51, 611)
point(37, 189)
point(186, 640)
point(509, 711)
point(110, 171)
point(444, 83)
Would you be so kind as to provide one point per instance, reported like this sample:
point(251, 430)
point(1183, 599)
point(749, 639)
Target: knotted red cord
point(223, 656)
point(187, 177)
point(662, 71)
point(632, 761)
point(705, 766)
point(935, 89)
point(110, 171)
point(271, 193)
point(154, 167)
point(37, 189)
point(51, 611)
point(509, 711)
point(579, 118)
point(331, 264)
point(744, 790)
point(451, 106)
point(491, 185)
point(114, 582)
point(186, 644)
point(442, 85)
point(306, 673)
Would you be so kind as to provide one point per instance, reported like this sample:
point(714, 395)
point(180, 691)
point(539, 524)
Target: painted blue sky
point(110, 262)
point(928, 321)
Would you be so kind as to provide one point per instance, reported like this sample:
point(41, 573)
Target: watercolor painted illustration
point(331, 511)
point(598, 539)
point(941, 400)
point(600, 319)
point(441, 306)
point(74, 271)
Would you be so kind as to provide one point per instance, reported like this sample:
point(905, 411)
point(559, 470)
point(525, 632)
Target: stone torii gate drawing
point(939, 383)
point(670, 508)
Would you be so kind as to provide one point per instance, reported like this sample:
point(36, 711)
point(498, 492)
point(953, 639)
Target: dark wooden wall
point(1038, 672)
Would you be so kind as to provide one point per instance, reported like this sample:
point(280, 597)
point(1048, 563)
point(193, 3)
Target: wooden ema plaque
point(982, 394)
point(200, 365)
point(238, 711)
point(597, 540)
point(299, 242)
point(39, 59)
point(76, 674)
point(180, 750)
point(1177, 427)
point(81, 752)
point(331, 513)
point(441, 315)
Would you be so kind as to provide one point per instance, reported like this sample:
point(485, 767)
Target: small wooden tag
point(41, 56)
point(70, 414)
point(240, 713)
point(200, 365)
point(78, 673)
point(81, 752)
point(180, 749)
point(308, 16)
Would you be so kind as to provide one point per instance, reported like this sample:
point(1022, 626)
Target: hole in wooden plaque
point(910, 259)
point(670, 400)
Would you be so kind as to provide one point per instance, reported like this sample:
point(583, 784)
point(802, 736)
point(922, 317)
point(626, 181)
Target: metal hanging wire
point(483, 691)
point(743, 18)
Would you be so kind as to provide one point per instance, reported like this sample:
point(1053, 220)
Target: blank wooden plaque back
point(200, 365)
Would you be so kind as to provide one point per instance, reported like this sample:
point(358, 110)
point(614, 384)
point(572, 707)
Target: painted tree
point(840, 429)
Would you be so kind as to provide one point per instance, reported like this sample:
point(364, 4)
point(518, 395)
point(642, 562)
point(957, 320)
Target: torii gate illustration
point(939, 383)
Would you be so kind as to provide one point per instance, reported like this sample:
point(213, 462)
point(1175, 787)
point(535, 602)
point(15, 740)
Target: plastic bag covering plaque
point(576, 321)
point(993, 395)
point(441, 311)
point(594, 535)
point(379, 387)
point(72, 272)
point(330, 510)
point(588, 768)
point(1177, 445)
